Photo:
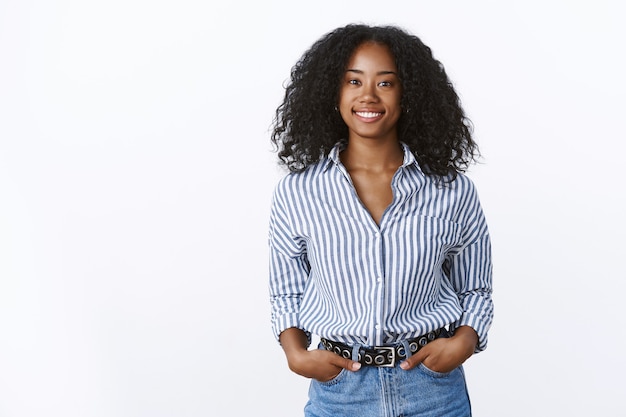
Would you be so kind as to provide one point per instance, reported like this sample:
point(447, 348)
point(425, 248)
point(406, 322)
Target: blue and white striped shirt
point(335, 273)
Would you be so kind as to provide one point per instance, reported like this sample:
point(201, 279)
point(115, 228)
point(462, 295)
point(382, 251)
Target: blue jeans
point(390, 392)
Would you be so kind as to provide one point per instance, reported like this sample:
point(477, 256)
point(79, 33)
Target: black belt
point(383, 356)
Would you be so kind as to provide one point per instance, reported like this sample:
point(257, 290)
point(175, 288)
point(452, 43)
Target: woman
point(378, 242)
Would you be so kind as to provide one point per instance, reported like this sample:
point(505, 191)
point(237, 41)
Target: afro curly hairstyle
point(433, 124)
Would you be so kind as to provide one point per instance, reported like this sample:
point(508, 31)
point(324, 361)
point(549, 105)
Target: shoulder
point(464, 191)
point(458, 184)
point(464, 184)
point(457, 194)
point(294, 183)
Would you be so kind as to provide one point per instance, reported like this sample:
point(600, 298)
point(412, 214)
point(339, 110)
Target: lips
point(368, 114)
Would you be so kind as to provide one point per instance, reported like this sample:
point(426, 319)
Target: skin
point(371, 87)
point(369, 103)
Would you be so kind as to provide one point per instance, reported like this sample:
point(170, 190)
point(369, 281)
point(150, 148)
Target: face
point(370, 92)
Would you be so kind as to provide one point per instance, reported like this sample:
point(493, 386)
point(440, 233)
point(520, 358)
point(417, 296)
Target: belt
point(383, 356)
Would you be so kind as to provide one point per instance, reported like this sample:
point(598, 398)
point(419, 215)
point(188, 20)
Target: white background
point(136, 174)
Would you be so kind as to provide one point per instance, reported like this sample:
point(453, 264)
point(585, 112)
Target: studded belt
point(383, 356)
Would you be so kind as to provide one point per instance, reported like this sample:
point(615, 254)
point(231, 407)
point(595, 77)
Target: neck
point(373, 155)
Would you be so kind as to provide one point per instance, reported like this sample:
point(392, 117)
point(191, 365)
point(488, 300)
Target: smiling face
point(370, 92)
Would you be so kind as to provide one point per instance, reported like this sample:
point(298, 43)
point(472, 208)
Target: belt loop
point(407, 349)
point(355, 352)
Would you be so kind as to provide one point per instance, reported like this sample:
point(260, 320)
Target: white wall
point(136, 173)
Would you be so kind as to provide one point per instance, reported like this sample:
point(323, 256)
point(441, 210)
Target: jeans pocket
point(335, 380)
point(425, 369)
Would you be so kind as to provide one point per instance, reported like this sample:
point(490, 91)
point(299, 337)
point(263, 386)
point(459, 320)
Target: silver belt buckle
point(392, 352)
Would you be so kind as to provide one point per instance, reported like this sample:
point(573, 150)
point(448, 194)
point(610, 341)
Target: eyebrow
point(378, 73)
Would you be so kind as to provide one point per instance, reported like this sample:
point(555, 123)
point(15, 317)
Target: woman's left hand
point(445, 354)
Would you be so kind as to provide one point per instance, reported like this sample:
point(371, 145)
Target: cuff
point(480, 327)
point(286, 321)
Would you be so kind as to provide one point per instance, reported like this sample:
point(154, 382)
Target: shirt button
point(377, 327)
point(377, 234)
point(378, 279)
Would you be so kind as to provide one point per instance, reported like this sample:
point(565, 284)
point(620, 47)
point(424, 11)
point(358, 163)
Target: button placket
point(378, 313)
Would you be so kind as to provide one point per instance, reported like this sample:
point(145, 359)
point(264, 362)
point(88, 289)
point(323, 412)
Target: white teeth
point(367, 114)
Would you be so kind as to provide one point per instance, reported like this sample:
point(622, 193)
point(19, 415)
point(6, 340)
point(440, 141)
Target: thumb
point(413, 361)
point(348, 364)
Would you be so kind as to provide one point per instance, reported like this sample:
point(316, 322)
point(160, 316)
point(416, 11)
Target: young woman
point(378, 242)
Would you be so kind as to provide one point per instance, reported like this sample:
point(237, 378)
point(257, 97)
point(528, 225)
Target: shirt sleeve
point(470, 271)
point(289, 267)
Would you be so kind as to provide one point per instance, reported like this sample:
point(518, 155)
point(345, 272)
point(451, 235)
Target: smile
point(367, 114)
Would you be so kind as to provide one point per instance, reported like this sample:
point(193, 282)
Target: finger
point(348, 364)
point(414, 360)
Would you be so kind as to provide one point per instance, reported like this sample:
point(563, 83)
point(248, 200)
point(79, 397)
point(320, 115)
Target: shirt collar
point(333, 156)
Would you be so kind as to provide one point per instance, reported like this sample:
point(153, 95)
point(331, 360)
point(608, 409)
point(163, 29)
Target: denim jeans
point(390, 392)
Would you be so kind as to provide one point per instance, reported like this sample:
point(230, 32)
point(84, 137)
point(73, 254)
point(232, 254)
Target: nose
point(368, 93)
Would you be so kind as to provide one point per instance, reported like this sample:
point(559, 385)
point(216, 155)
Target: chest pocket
point(431, 239)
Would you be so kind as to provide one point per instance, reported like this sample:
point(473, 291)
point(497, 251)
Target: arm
point(289, 271)
point(469, 270)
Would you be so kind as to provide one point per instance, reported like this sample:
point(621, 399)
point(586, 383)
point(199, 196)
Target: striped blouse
point(335, 273)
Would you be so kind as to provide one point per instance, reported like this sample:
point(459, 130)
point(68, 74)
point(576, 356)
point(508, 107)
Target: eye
point(385, 84)
point(354, 82)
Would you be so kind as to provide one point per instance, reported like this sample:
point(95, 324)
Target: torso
point(374, 190)
point(371, 168)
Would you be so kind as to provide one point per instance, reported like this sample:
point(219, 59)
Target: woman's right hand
point(318, 364)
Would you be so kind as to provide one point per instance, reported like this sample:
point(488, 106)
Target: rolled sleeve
point(470, 272)
point(471, 275)
point(289, 269)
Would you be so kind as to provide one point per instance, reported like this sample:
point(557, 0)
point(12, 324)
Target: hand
point(445, 354)
point(318, 364)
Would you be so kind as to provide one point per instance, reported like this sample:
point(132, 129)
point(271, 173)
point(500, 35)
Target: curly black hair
point(433, 123)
